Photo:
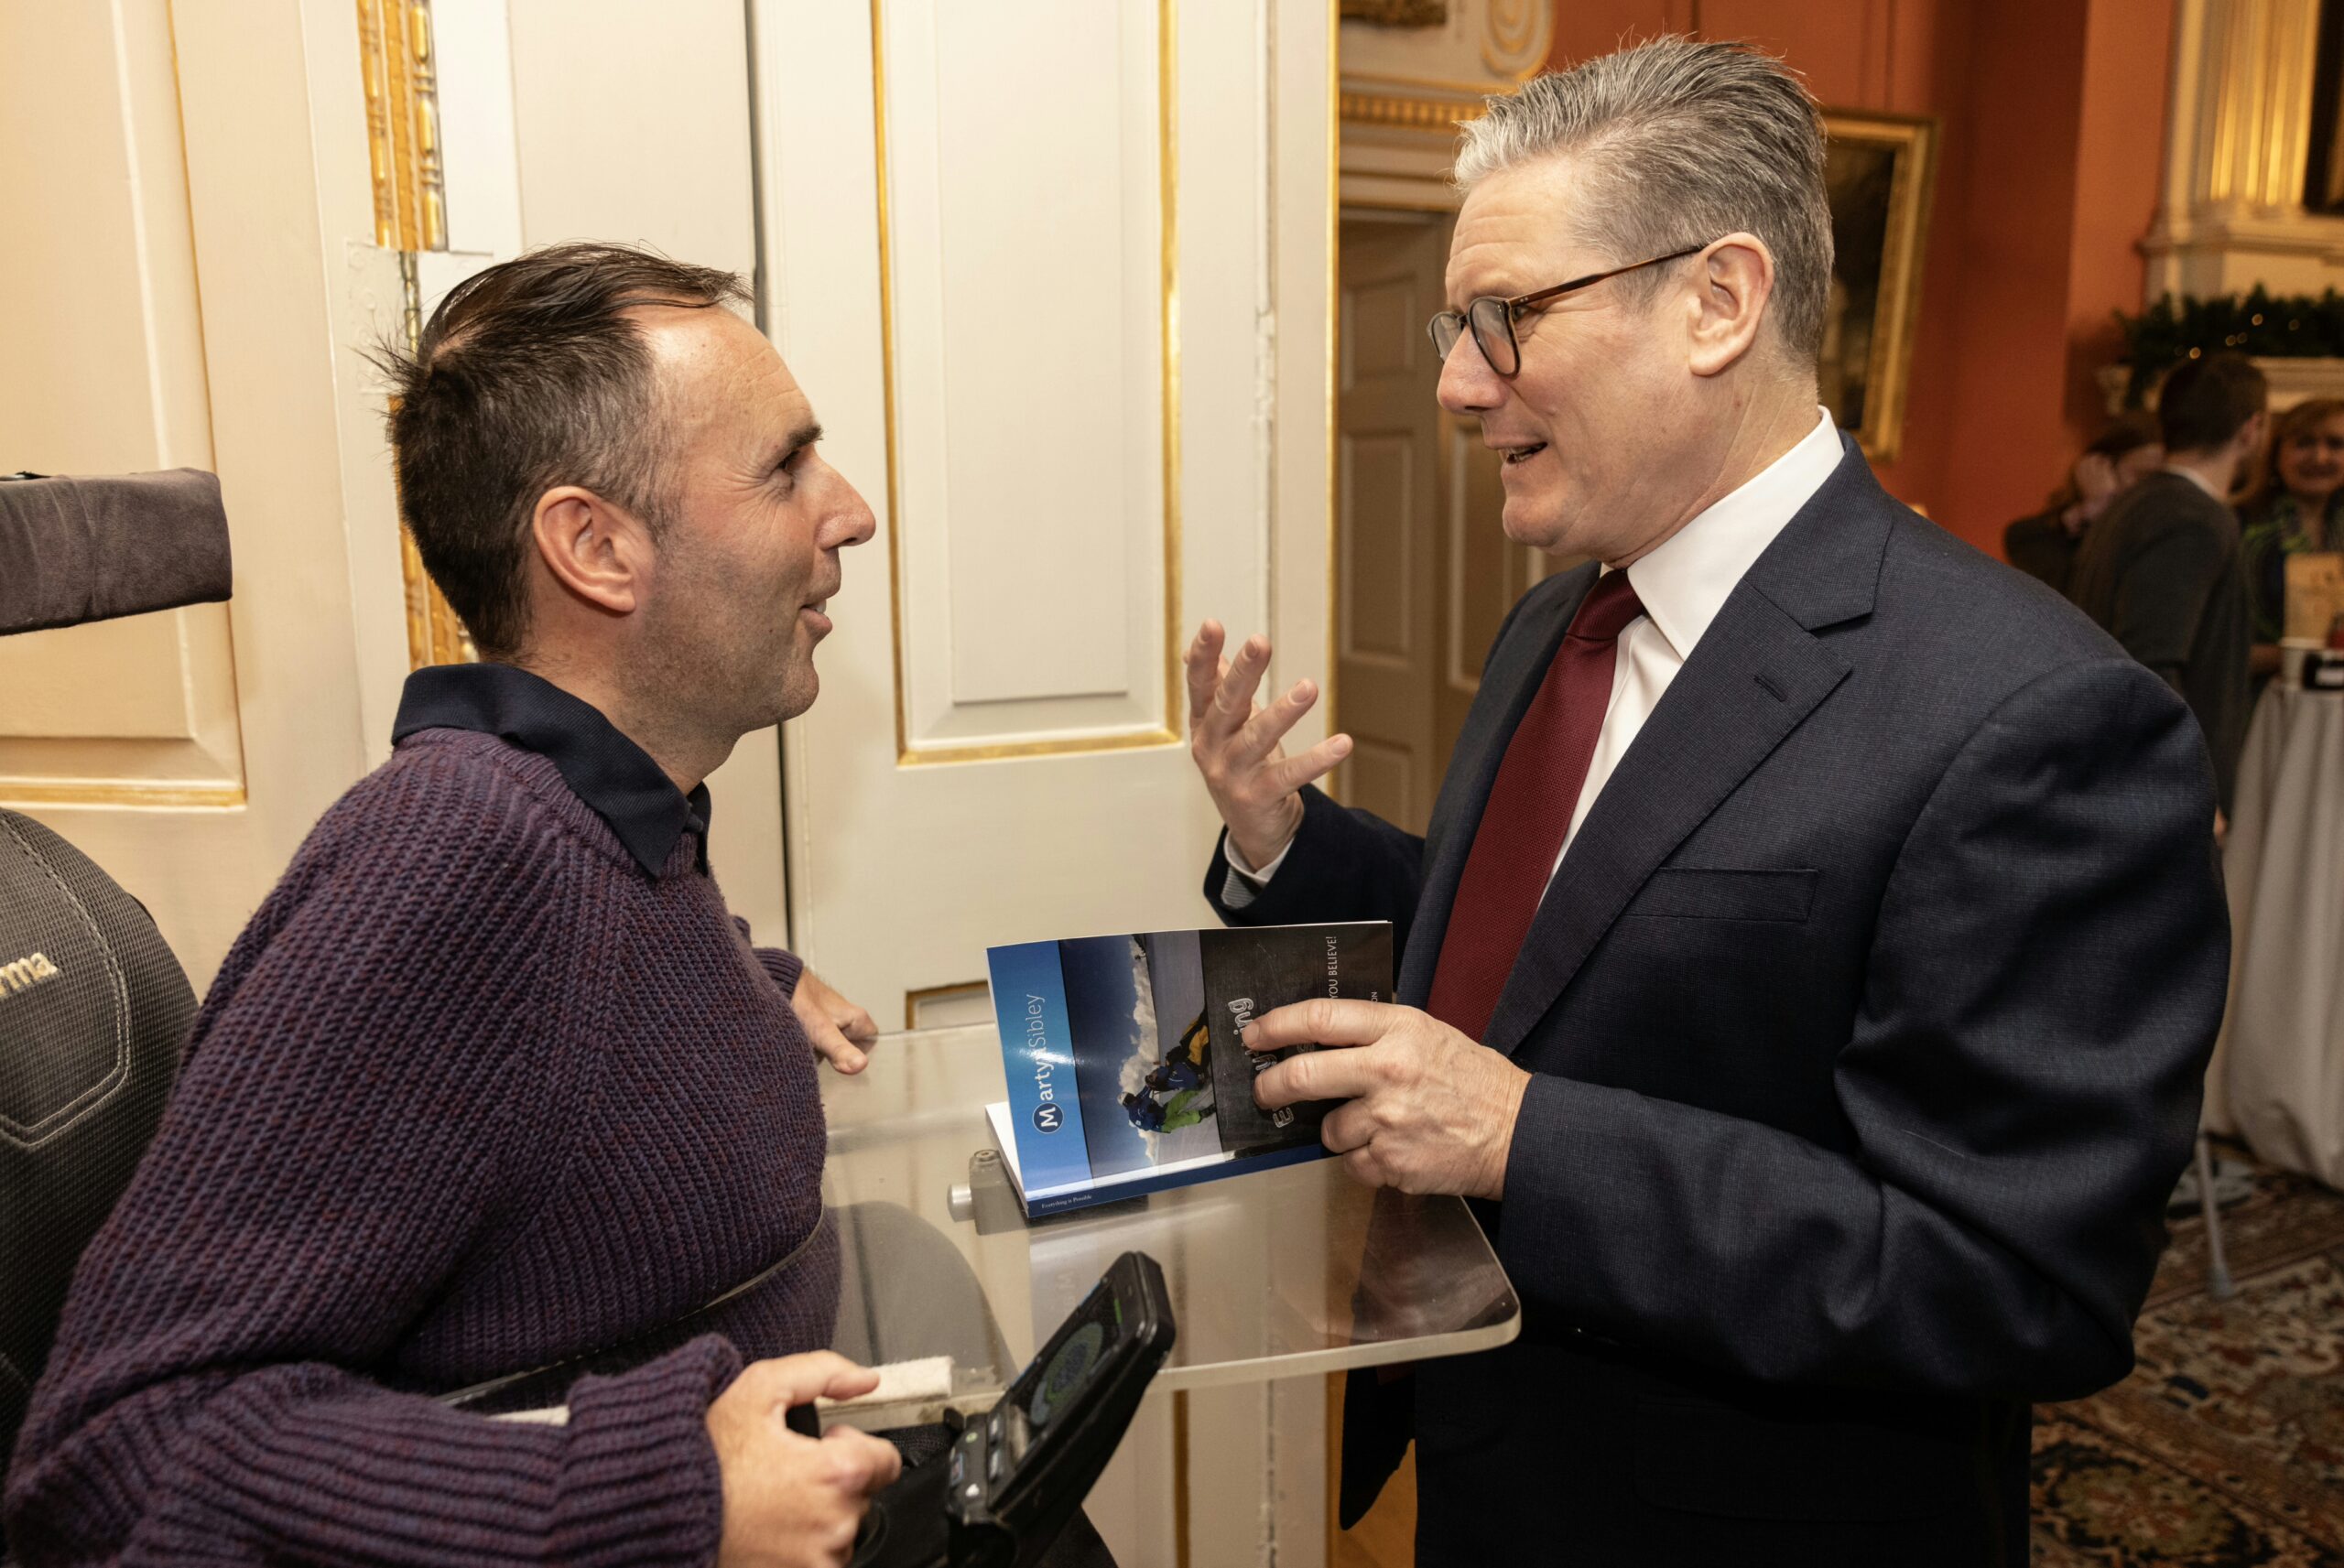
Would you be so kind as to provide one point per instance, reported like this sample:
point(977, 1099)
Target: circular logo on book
point(1047, 1116)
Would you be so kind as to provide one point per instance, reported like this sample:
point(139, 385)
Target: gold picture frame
point(1881, 173)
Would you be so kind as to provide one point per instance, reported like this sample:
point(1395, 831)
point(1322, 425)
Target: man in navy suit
point(1817, 944)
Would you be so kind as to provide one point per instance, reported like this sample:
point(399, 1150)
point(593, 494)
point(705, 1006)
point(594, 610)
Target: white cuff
point(1237, 861)
point(1255, 879)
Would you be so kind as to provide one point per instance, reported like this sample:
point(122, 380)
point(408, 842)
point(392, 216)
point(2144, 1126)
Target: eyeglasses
point(1492, 318)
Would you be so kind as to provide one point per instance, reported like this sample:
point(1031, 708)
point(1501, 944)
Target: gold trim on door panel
point(400, 70)
point(398, 63)
point(916, 998)
point(120, 792)
point(1333, 783)
point(1167, 164)
point(1168, 161)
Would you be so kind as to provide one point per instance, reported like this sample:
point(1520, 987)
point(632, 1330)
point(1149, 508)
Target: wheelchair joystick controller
point(1008, 1480)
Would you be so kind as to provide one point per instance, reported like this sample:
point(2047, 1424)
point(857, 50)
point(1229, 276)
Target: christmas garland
point(2256, 323)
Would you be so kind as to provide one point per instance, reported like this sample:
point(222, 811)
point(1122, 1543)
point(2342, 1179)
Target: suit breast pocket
point(1692, 892)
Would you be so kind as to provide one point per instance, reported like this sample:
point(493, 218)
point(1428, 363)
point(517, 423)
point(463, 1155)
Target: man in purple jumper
point(493, 1080)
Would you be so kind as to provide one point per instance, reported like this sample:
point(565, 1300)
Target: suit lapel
point(1517, 662)
point(1755, 676)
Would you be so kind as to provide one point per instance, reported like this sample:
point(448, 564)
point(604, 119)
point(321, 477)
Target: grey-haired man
point(1816, 945)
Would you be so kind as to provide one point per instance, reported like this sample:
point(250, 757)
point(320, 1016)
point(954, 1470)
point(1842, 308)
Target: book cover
point(1125, 1071)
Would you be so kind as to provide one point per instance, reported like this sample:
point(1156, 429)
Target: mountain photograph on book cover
point(1137, 1007)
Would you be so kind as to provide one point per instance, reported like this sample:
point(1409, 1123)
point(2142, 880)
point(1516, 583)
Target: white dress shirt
point(2199, 479)
point(1683, 582)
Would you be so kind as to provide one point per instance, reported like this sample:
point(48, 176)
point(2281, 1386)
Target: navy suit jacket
point(1868, 1015)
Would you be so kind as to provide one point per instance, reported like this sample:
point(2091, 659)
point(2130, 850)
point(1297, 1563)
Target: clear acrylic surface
point(923, 1255)
point(1281, 1273)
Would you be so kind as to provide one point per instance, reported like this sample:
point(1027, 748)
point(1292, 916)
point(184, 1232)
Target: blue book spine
point(1140, 1186)
point(1037, 1057)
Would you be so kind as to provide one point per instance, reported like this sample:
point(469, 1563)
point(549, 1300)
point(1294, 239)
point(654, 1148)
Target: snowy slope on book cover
point(1123, 1053)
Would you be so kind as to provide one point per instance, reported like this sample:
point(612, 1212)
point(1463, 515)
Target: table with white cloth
point(2278, 1079)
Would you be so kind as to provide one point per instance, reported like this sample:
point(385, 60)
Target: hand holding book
point(1425, 1109)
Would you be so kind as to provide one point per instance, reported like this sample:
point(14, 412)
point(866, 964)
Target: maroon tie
point(1529, 811)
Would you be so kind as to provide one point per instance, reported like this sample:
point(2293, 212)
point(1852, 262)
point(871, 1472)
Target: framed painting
point(1880, 170)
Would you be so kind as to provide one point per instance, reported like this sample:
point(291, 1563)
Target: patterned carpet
point(2225, 1448)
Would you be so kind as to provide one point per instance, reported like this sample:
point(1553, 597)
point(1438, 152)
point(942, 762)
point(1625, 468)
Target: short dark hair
point(2126, 433)
point(2207, 400)
point(530, 376)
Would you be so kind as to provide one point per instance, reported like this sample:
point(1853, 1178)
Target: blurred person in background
point(2162, 569)
point(2292, 507)
point(2044, 545)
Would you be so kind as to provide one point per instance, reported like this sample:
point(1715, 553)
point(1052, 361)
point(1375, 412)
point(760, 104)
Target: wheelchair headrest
point(76, 549)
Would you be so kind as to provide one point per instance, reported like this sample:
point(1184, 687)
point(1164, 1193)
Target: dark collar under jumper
point(491, 1081)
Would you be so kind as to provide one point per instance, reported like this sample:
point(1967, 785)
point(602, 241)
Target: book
point(1126, 1072)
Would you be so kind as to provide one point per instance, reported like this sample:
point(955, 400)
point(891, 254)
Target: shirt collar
point(609, 772)
point(1687, 579)
point(2193, 477)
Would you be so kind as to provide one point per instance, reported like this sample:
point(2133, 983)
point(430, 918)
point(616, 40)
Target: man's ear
point(1736, 280)
point(599, 552)
point(2251, 434)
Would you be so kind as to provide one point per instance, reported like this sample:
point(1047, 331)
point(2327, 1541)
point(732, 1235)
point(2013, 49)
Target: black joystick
point(1009, 1480)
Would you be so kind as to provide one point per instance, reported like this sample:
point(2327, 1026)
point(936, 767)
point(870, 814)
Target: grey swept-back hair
point(1678, 143)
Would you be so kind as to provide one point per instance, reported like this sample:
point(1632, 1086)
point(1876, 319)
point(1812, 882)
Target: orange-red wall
point(2053, 117)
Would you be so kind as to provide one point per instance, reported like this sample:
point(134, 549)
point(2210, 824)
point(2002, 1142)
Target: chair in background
point(2219, 1283)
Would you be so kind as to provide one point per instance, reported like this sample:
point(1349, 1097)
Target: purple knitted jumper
point(473, 1093)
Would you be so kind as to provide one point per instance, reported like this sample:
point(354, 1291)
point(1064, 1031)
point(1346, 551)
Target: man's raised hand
point(1237, 744)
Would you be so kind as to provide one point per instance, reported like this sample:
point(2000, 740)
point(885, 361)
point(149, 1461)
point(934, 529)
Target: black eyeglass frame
point(1509, 311)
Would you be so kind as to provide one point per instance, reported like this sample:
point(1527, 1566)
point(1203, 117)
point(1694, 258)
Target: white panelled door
point(171, 182)
point(1054, 274)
